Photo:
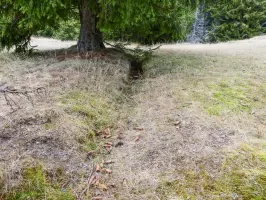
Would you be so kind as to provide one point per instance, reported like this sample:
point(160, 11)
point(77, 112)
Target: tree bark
point(90, 37)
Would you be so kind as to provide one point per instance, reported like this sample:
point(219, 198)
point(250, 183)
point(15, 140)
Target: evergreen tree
point(22, 18)
point(238, 20)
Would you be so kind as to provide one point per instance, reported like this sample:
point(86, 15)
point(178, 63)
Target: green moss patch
point(37, 185)
point(97, 112)
point(242, 176)
point(231, 96)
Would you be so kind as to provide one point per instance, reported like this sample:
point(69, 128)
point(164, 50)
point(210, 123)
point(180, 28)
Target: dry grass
point(186, 85)
point(59, 129)
point(217, 92)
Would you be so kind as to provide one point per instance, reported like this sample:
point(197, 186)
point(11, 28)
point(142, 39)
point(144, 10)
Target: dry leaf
point(97, 198)
point(97, 181)
point(108, 131)
point(102, 186)
point(137, 138)
point(105, 132)
point(108, 148)
point(107, 136)
point(138, 128)
point(108, 171)
point(108, 144)
point(109, 162)
point(93, 179)
point(98, 168)
point(112, 185)
point(177, 123)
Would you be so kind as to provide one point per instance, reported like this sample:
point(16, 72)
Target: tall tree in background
point(241, 19)
point(21, 18)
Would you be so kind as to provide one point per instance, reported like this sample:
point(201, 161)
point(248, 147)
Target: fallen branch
point(90, 181)
point(8, 93)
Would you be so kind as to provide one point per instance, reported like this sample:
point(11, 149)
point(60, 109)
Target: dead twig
point(9, 93)
point(91, 180)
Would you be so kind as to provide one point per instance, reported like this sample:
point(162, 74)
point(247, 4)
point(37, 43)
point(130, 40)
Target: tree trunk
point(90, 37)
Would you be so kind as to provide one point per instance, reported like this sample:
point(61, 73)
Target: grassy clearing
point(217, 100)
point(242, 176)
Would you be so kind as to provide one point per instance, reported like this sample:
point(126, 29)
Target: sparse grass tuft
point(242, 176)
point(90, 113)
point(97, 112)
point(37, 185)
